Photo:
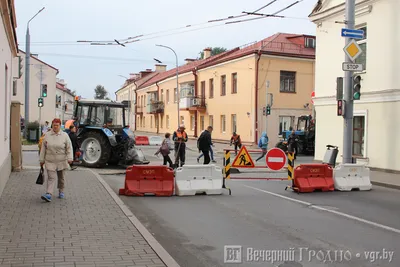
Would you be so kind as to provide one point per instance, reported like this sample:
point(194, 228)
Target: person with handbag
point(56, 155)
point(166, 147)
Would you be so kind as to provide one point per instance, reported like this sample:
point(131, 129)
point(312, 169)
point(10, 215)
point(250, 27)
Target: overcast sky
point(54, 33)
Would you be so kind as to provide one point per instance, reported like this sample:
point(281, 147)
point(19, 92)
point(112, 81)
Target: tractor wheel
point(96, 149)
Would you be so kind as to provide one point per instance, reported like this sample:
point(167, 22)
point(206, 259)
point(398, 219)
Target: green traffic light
point(357, 96)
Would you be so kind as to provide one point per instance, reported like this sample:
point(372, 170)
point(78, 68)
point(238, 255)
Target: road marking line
point(328, 210)
point(275, 159)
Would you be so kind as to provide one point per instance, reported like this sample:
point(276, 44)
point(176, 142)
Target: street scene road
point(318, 229)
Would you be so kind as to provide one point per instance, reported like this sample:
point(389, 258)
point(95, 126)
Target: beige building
point(229, 91)
point(65, 100)
point(41, 73)
point(8, 77)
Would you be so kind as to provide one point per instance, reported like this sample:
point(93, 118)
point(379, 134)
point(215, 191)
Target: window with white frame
point(167, 122)
point(285, 122)
point(151, 121)
point(175, 95)
point(161, 122)
point(144, 121)
point(234, 123)
point(192, 122)
point(211, 121)
point(309, 42)
point(362, 58)
point(223, 124)
point(182, 120)
point(202, 123)
point(358, 135)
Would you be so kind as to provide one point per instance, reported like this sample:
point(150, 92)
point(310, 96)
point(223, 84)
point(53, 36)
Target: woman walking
point(56, 154)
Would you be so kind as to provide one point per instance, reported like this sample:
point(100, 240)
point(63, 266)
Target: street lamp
point(177, 73)
point(27, 74)
point(129, 102)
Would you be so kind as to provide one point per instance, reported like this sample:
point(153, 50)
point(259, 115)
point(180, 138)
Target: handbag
point(164, 149)
point(40, 179)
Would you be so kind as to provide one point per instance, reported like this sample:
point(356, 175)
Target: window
point(6, 102)
point(182, 120)
point(284, 124)
point(145, 104)
point(211, 88)
point(223, 85)
point(167, 96)
point(203, 89)
point(175, 95)
point(234, 123)
point(223, 124)
point(362, 59)
point(161, 122)
point(162, 95)
point(151, 121)
point(167, 122)
point(288, 82)
point(202, 123)
point(144, 121)
point(211, 121)
point(358, 135)
point(309, 43)
point(192, 123)
point(234, 83)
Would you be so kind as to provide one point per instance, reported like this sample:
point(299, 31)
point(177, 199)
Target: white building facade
point(376, 121)
point(8, 74)
point(41, 73)
point(64, 101)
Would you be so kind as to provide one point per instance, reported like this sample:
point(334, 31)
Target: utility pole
point(348, 90)
point(40, 95)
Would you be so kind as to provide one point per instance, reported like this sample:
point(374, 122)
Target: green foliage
point(100, 92)
point(214, 51)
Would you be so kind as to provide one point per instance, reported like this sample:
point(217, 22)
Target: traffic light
point(268, 110)
point(264, 112)
point(40, 102)
point(341, 104)
point(65, 107)
point(20, 66)
point(44, 90)
point(356, 87)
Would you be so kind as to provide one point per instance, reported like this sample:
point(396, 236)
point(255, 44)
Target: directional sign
point(353, 50)
point(356, 34)
point(243, 159)
point(276, 159)
point(346, 66)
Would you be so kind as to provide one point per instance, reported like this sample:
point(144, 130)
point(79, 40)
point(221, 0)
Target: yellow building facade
point(231, 91)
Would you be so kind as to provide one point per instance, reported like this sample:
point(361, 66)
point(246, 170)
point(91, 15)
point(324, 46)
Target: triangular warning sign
point(243, 159)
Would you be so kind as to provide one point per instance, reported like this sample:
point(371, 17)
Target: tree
point(100, 92)
point(214, 51)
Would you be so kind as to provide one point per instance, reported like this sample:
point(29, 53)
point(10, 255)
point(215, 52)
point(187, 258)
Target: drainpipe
point(136, 103)
point(256, 98)
point(158, 117)
point(195, 93)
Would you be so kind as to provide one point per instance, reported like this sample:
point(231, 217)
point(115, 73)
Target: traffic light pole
point(40, 95)
point(348, 91)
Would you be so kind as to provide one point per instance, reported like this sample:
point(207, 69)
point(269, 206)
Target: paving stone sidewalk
point(87, 228)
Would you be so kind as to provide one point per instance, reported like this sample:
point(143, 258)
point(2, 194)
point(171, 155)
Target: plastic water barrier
point(196, 179)
point(348, 177)
point(142, 140)
point(313, 177)
point(155, 140)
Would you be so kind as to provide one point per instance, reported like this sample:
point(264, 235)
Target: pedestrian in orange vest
point(235, 139)
point(180, 138)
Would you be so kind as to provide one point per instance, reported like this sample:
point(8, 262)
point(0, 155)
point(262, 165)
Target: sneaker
point(46, 197)
point(61, 195)
point(198, 160)
point(214, 161)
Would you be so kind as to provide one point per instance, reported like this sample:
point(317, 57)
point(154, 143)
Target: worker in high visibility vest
point(180, 138)
point(235, 139)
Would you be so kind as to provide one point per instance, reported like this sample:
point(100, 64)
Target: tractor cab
point(104, 134)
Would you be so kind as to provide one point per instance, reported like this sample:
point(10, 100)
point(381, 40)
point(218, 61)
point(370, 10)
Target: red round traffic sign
point(276, 159)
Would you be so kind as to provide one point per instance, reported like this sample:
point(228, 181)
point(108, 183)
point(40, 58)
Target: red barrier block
point(141, 180)
point(142, 141)
point(312, 177)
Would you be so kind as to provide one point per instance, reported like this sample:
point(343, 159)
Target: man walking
point(180, 138)
point(205, 143)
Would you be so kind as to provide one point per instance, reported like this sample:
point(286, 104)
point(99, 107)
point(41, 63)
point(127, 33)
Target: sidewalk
point(90, 227)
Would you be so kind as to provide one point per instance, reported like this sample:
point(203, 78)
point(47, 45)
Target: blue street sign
point(356, 34)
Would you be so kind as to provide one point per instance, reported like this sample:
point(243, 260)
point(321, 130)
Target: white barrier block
point(194, 179)
point(155, 140)
point(347, 177)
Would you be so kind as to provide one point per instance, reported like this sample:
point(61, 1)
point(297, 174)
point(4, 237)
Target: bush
point(33, 125)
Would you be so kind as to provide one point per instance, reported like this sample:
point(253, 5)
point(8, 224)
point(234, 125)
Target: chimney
point(145, 72)
point(207, 53)
point(189, 60)
point(161, 68)
point(134, 76)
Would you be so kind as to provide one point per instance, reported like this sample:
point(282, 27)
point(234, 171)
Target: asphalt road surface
point(271, 225)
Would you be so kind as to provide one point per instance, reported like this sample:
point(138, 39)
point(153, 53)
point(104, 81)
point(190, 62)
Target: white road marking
point(382, 226)
point(275, 159)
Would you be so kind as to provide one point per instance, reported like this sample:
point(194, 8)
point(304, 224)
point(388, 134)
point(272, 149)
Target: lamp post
point(129, 102)
point(177, 73)
point(27, 73)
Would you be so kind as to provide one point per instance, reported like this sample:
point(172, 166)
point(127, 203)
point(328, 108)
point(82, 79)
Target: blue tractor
point(104, 135)
point(305, 134)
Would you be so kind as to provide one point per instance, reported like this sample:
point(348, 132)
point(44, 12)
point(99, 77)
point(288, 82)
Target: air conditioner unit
point(196, 102)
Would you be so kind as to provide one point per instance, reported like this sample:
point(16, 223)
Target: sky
point(56, 30)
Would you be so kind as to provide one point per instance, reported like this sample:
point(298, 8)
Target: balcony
point(192, 103)
point(139, 110)
point(155, 107)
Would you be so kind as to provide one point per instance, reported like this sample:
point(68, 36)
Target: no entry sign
point(276, 159)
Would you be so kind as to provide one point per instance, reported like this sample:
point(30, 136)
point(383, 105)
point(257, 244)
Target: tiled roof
point(279, 44)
